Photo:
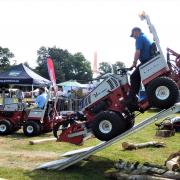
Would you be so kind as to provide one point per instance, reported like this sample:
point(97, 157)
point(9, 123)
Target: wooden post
point(165, 133)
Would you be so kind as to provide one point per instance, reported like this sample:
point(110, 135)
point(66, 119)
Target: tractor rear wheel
point(162, 92)
point(107, 125)
point(5, 127)
point(31, 128)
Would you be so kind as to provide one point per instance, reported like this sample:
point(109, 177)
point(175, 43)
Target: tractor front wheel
point(162, 92)
point(107, 125)
point(31, 128)
point(5, 127)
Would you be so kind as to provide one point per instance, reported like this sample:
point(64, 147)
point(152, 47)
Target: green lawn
point(18, 166)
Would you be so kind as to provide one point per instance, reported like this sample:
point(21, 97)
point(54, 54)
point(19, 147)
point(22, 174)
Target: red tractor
point(174, 65)
point(13, 116)
point(105, 115)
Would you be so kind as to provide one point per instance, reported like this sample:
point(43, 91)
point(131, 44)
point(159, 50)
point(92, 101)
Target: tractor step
point(66, 162)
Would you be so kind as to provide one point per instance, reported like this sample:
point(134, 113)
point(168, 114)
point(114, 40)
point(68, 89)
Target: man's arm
point(136, 57)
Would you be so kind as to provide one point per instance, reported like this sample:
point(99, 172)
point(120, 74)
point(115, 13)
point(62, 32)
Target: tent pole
point(32, 92)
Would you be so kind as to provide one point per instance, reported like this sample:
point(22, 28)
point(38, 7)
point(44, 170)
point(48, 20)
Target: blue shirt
point(143, 44)
point(41, 100)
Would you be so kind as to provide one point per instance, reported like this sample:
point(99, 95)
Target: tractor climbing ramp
point(66, 162)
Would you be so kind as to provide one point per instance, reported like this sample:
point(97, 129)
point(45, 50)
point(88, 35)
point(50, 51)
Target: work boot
point(132, 103)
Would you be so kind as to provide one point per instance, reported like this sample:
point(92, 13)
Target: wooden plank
point(40, 141)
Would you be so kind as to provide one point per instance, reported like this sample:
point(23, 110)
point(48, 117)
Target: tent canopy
point(20, 74)
point(72, 84)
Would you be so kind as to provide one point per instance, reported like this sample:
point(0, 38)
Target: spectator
point(61, 99)
point(60, 92)
point(20, 95)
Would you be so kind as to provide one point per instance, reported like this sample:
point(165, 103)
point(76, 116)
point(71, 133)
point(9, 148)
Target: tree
point(66, 65)
point(5, 56)
point(27, 65)
point(118, 65)
point(81, 67)
point(105, 67)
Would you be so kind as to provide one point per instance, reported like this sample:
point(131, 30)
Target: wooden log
point(172, 155)
point(124, 176)
point(173, 164)
point(144, 169)
point(171, 174)
point(165, 133)
point(40, 141)
point(130, 146)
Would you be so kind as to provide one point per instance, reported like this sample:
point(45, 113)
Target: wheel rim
point(3, 128)
point(30, 129)
point(162, 92)
point(105, 126)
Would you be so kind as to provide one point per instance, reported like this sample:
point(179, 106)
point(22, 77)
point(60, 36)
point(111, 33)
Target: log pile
point(165, 128)
point(173, 162)
point(129, 170)
point(131, 146)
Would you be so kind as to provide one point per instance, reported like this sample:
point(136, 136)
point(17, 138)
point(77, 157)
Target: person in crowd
point(60, 92)
point(20, 95)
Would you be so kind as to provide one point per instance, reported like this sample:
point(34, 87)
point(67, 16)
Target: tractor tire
point(130, 123)
point(107, 125)
point(5, 127)
point(31, 128)
point(162, 92)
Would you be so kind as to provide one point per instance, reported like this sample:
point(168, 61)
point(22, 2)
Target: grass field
point(18, 158)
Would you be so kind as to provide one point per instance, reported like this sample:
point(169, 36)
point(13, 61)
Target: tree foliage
point(67, 66)
point(5, 56)
point(105, 67)
point(117, 65)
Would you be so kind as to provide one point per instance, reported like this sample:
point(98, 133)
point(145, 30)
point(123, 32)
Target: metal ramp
point(66, 162)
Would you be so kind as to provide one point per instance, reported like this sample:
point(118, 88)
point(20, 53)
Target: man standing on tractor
point(143, 54)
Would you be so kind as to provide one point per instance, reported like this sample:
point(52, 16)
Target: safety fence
point(63, 104)
point(69, 104)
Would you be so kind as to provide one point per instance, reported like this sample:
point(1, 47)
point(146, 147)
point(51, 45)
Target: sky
point(85, 26)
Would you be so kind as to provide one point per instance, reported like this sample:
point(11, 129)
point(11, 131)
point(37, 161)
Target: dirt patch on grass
point(25, 159)
point(13, 154)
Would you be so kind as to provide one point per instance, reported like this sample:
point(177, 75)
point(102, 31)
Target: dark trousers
point(135, 80)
